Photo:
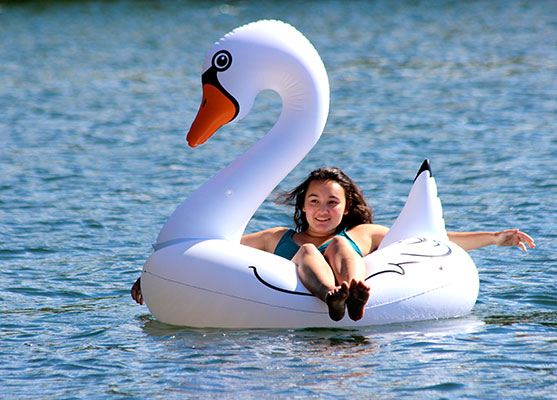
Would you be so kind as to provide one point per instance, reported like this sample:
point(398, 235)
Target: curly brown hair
point(359, 212)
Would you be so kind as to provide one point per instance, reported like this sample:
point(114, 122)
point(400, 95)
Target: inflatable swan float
point(200, 276)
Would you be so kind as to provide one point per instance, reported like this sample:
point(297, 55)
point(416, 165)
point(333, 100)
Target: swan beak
point(216, 110)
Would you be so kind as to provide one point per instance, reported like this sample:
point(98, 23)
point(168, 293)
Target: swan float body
point(199, 275)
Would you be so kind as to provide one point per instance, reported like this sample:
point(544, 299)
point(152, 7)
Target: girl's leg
point(317, 276)
point(348, 266)
point(344, 261)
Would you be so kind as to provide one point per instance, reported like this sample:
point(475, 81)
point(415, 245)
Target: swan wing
point(422, 215)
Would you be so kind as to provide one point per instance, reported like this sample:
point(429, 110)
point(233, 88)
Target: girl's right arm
point(266, 240)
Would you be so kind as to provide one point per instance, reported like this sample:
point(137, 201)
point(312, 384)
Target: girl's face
point(324, 205)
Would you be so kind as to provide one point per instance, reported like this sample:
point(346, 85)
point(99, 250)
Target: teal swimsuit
point(287, 247)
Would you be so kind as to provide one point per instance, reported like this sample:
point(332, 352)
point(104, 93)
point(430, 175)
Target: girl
point(334, 231)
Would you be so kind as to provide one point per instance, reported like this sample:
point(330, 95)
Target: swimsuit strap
point(324, 246)
point(287, 247)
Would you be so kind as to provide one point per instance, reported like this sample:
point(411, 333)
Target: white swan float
point(200, 276)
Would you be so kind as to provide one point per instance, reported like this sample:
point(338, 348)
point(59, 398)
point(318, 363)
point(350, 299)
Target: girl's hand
point(136, 291)
point(514, 237)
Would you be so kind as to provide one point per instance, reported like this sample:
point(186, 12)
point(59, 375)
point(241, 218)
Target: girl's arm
point(266, 240)
point(368, 236)
point(475, 240)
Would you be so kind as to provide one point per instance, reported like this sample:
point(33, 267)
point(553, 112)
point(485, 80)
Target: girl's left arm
point(475, 240)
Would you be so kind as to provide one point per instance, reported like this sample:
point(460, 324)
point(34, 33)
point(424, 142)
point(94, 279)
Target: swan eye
point(222, 60)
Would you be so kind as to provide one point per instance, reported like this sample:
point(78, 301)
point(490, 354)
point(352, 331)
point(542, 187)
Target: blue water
point(95, 99)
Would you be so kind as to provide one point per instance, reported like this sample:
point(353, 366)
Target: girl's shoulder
point(367, 236)
point(276, 231)
point(273, 236)
point(371, 229)
point(266, 239)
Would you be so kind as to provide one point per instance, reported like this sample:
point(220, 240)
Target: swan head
point(258, 56)
point(218, 106)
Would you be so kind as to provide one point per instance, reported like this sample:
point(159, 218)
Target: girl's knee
point(306, 250)
point(338, 245)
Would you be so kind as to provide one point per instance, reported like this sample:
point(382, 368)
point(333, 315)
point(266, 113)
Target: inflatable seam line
point(234, 296)
point(297, 309)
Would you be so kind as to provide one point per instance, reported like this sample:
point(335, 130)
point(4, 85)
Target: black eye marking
point(222, 60)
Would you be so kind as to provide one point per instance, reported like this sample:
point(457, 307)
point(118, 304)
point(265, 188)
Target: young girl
point(334, 231)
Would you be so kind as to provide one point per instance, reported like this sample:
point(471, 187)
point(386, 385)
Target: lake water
point(95, 99)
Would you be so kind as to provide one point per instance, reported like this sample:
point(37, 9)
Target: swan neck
point(222, 207)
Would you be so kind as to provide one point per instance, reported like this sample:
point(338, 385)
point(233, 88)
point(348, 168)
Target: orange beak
point(216, 110)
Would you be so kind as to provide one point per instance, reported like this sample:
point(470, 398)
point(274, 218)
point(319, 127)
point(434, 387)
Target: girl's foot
point(336, 301)
point(359, 294)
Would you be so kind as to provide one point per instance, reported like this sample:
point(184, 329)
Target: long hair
point(359, 212)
